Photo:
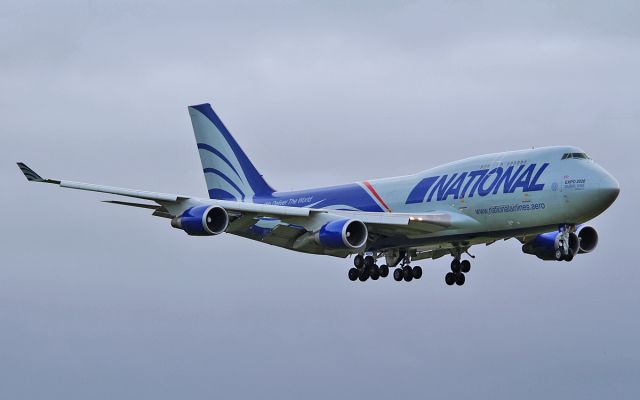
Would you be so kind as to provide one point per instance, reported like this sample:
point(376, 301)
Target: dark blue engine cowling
point(343, 234)
point(546, 246)
point(202, 221)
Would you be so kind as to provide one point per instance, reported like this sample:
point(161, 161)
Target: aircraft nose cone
point(609, 189)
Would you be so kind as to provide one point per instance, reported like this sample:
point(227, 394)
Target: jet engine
point(202, 221)
point(588, 239)
point(546, 246)
point(343, 234)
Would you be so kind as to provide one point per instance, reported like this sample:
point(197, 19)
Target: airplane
point(542, 197)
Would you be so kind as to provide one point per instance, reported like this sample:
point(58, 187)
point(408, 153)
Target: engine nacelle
point(202, 221)
point(588, 239)
point(546, 246)
point(343, 234)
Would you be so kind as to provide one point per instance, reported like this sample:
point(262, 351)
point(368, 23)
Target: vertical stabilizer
point(229, 173)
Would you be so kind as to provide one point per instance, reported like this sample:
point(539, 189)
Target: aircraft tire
point(384, 271)
point(358, 261)
point(559, 255)
point(416, 272)
point(364, 275)
point(449, 278)
point(398, 274)
point(369, 262)
point(406, 273)
point(569, 257)
point(455, 266)
point(460, 278)
point(353, 274)
point(465, 266)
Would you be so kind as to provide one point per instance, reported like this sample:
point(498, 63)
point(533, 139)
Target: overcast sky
point(99, 301)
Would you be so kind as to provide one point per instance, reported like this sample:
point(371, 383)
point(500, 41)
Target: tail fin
point(227, 169)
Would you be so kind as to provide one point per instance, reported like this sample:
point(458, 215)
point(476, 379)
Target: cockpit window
point(581, 156)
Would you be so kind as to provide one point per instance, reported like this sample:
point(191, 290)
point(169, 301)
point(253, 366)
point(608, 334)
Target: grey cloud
point(102, 301)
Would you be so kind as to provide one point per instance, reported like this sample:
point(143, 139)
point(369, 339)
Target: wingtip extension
point(30, 174)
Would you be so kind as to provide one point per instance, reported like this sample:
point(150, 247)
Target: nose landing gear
point(568, 244)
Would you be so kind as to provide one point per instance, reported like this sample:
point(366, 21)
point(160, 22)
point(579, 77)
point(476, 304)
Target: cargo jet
point(542, 197)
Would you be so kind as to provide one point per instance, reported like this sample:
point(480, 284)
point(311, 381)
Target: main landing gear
point(365, 268)
point(458, 271)
point(407, 273)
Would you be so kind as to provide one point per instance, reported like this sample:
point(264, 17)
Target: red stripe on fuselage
point(376, 195)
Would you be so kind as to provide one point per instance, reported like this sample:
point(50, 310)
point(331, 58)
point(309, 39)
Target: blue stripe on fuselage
point(349, 196)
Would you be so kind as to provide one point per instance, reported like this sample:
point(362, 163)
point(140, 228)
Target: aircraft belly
point(476, 237)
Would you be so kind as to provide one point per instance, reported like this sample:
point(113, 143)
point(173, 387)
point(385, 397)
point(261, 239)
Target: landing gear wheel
point(450, 278)
point(460, 279)
point(353, 274)
point(559, 255)
point(375, 273)
point(465, 266)
point(569, 257)
point(364, 275)
point(384, 271)
point(398, 274)
point(416, 272)
point(455, 266)
point(406, 273)
point(358, 261)
point(369, 261)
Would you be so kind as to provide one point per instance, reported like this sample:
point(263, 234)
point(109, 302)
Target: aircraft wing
point(297, 220)
point(173, 203)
